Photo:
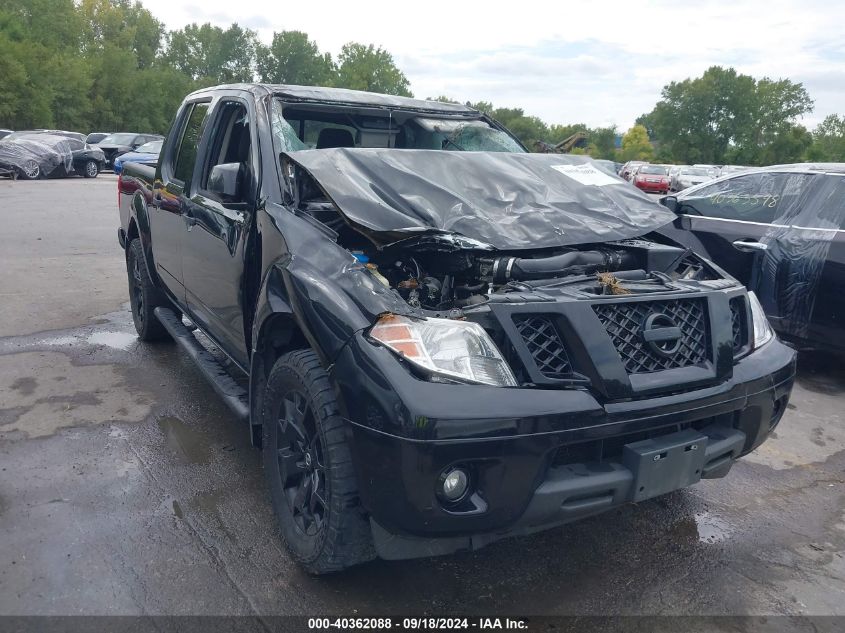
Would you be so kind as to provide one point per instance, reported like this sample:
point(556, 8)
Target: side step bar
point(232, 393)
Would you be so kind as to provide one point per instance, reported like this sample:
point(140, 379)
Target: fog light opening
point(778, 410)
point(453, 484)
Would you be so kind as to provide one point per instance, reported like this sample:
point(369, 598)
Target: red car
point(652, 178)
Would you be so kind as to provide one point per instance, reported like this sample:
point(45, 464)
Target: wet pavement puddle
point(711, 528)
point(184, 441)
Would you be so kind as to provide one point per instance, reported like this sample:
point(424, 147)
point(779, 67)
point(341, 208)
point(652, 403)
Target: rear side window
point(186, 153)
point(759, 197)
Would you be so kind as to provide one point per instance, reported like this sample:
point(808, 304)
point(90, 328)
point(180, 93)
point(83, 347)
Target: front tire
point(144, 297)
point(91, 169)
point(308, 465)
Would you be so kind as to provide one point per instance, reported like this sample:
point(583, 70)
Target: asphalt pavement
point(126, 487)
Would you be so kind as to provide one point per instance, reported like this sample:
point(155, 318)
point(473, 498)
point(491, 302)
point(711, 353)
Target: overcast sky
point(591, 62)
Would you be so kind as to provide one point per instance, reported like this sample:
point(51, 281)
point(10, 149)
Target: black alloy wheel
point(144, 297)
point(301, 464)
point(308, 466)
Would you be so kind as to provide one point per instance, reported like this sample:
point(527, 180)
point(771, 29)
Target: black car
point(781, 231)
point(95, 137)
point(119, 143)
point(41, 155)
point(447, 340)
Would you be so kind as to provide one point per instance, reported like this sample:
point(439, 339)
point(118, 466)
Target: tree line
point(111, 65)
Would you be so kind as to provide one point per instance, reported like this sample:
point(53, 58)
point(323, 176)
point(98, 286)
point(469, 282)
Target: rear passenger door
point(217, 226)
point(167, 222)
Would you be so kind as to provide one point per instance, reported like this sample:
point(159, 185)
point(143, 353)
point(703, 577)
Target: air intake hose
point(574, 262)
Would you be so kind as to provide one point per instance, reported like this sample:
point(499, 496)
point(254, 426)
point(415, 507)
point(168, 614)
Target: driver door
point(218, 225)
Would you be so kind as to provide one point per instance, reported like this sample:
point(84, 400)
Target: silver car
point(689, 176)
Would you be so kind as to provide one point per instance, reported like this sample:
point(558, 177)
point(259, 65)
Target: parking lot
point(127, 488)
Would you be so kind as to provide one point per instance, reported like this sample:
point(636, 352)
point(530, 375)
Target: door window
point(186, 153)
point(231, 143)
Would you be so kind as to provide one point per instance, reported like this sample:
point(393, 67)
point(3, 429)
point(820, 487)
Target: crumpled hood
point(509, 201)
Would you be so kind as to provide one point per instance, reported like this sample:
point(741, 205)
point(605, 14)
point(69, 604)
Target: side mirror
point(671, 203)
point(225, 180)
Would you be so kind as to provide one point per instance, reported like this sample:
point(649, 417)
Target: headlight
point(763, 332)
point(459, 350)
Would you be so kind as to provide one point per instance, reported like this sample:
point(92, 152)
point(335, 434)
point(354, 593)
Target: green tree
point(559, 132)
point(361, 67)
point(723, 115)
point(482, 106)
point(442, 99)
point(210, 54)
point(635, 145)
point(45, 80)
point(123, 24)
point(294, 59)
point(602, 142)
point(528, 129)
point(829, 140)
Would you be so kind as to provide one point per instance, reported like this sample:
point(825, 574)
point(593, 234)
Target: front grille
point(624, 323)
point(543, 342)
point(739, 325)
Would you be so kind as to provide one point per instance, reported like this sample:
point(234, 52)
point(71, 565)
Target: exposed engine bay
point(435, 279)
point(441, 272)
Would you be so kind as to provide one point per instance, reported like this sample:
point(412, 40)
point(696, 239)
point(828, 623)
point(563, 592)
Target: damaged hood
point(508, 201)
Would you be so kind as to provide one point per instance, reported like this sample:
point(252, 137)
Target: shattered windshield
point(464, 136)
point(296, 128)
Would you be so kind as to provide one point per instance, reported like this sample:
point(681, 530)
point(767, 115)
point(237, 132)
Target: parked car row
point(47, 153)
point(659, 178)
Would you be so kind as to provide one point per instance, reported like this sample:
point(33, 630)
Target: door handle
point(750, 247)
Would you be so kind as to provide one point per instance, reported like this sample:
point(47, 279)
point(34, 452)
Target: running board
point(232, 393)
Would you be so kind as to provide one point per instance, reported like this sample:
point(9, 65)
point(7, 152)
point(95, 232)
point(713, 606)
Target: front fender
point(327, 291)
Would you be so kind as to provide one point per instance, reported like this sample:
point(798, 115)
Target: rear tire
point(308, 465)
point(144, 297)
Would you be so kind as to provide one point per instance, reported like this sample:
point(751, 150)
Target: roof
point(346, 97)
point(822, 167)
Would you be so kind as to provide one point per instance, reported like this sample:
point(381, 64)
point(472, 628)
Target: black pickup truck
point(445, 340)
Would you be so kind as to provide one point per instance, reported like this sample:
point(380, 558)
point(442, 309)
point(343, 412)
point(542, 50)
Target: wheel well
point(132, 233)
point(279, 334)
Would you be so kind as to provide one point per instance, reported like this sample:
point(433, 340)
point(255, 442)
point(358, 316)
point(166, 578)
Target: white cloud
point(593, 62)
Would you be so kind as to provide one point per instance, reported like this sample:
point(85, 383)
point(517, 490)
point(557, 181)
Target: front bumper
point(537, 457)
point(660, 187)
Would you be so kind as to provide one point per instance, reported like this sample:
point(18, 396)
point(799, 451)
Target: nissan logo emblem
point(661, 335)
